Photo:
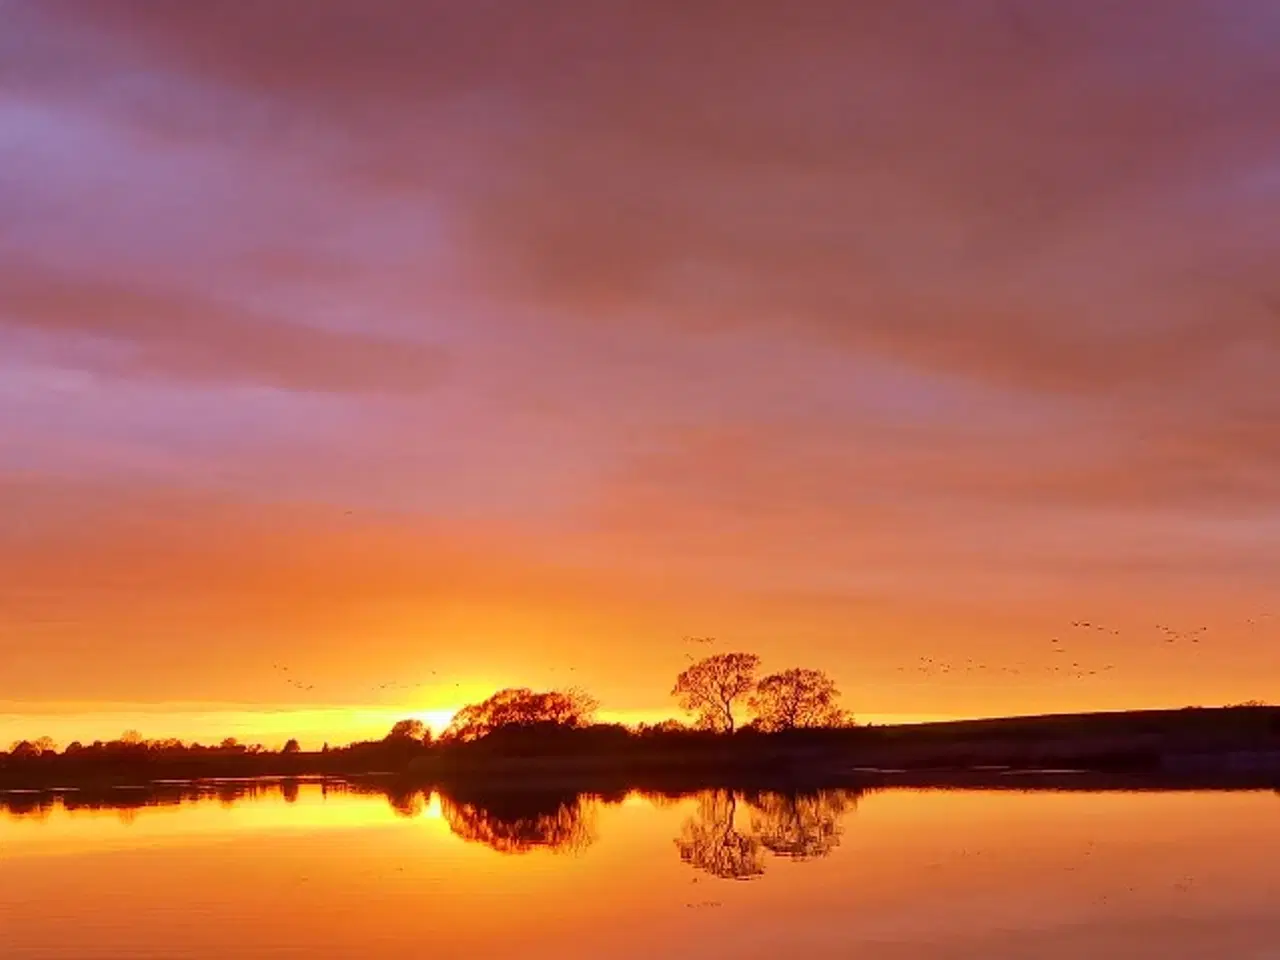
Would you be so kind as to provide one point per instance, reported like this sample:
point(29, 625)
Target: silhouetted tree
point(796, 698)
point(291, 746)
point(24, 750)
point(711, 842)
point(411, 729)
point(710, 688)
point(521, 707)
point(670, 725)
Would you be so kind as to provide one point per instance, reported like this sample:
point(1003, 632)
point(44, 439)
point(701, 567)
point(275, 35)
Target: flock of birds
point(292, 681)
point(1076, 670)
point(378, 688)
point(924, 666)
point(928, 666)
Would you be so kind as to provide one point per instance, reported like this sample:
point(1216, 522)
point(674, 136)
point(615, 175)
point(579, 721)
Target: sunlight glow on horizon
point(765, 333)
point(334, 725)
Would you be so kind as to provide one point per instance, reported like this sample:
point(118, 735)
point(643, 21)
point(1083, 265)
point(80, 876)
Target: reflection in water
point(408, 802)
point(125, 802)
point(933, 875)
point(509, 822)
point(713, 840)
point(710, 840)
point(799, 826)
point(520, 822)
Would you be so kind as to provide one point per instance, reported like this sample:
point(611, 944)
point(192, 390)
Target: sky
point(424, 348)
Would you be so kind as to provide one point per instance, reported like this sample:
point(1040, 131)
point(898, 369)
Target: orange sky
point(516, 344)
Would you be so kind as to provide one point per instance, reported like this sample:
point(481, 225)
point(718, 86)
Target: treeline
point(713, 691)
point(782, 729)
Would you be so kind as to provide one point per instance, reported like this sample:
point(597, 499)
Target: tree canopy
point(711, 688)
point(794, 698)
point(410, 729)
point(521, 707)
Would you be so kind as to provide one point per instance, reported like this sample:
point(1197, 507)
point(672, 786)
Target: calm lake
point(337, 871)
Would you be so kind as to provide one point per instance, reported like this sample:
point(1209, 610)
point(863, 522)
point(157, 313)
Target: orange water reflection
point(361, 870)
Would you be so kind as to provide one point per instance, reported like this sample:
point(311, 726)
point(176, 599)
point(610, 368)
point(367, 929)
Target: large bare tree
point(712, 687)
point(798, 697)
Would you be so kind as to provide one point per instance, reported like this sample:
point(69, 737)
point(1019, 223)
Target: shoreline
point(1208, 747)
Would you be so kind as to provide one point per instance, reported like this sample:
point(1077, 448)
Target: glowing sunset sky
point(497, 339)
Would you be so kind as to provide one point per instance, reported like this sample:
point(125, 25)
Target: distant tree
point(24, 750)
point(521, 707)
point(670, 725)
point(796, 698)
point(131, 737)
point(710, 688)
point(46, 745)
point(291, 746)
point(231, 745)
point(411, 729)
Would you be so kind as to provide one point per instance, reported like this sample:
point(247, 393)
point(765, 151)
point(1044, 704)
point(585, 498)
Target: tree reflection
point(520, 822)
point(31, 806)
point(711, 842)
point(800, 826)
point(126, 803)
point(730, 835)
point(407, 801)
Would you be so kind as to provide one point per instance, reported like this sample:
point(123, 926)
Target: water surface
point(333, 871)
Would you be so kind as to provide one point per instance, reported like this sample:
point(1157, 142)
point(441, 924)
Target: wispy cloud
point(933, 317)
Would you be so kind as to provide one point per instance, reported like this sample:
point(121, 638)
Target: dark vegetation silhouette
point(795, 698)
point(712, 688)
point(521, 708)
point(798, 737)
